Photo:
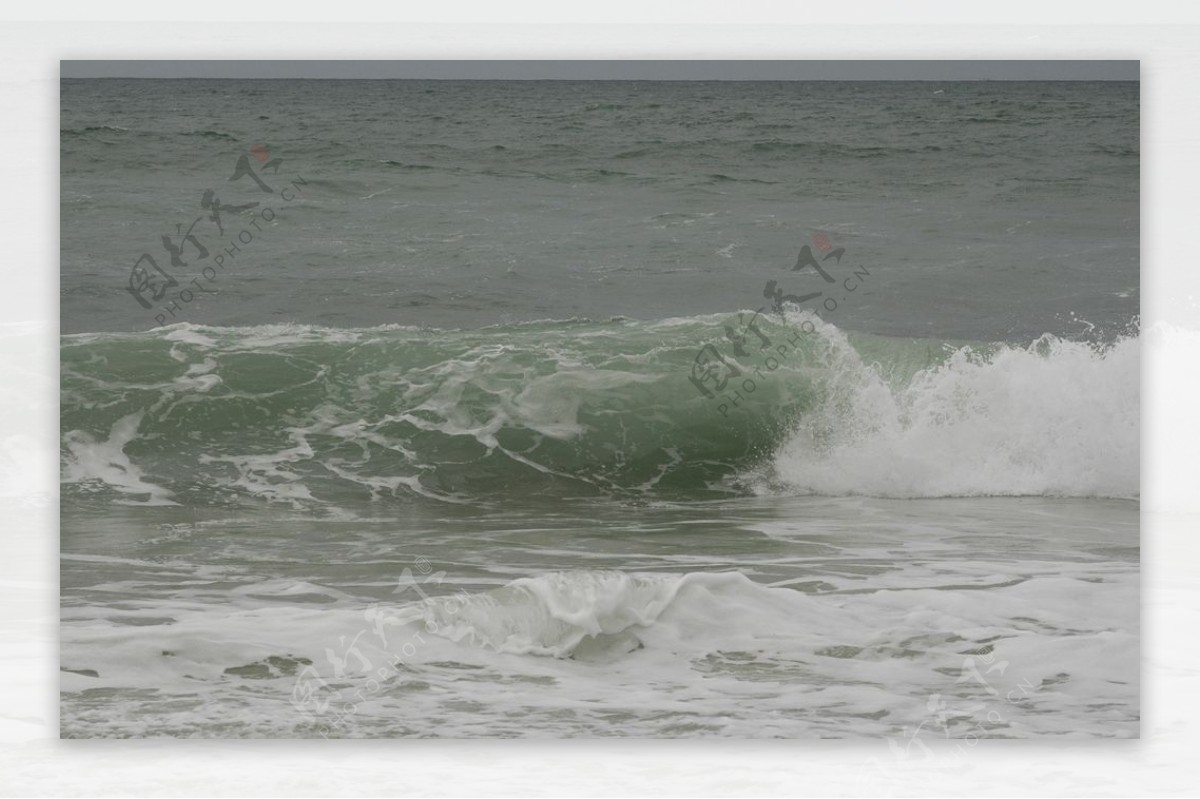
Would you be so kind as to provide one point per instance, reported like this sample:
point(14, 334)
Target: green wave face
point(197, 415)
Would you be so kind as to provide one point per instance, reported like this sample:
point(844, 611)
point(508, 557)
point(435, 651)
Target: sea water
point(480, 415)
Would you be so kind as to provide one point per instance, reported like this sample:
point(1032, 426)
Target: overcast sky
point(613, 70)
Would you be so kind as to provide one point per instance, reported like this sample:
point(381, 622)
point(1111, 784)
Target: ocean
point(574, 409)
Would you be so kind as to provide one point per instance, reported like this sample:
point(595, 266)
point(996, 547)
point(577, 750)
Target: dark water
point(987, 210)
point(468, 409)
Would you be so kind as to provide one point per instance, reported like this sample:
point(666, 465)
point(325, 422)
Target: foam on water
point(1055, 418)
point(571, 653)
point(90, 460)
point(313, 417)
point(619, 553)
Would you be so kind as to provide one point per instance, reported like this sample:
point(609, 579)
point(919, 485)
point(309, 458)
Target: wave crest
point(319, 417)
point(1054, 418)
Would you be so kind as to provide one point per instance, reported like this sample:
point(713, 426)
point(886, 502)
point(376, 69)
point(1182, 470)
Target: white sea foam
point(574, 653)
point(1056, 418)
point(88, 459)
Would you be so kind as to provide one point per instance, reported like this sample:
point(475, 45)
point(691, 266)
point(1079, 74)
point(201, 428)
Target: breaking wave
point(314, 416)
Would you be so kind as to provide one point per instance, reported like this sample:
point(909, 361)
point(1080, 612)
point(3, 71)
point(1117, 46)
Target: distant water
point(990, 211)
point(573, 409)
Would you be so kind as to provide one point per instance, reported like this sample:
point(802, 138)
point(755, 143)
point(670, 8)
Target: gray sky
point(614, 70)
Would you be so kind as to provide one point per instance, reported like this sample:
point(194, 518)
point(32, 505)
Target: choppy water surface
point(493, 428)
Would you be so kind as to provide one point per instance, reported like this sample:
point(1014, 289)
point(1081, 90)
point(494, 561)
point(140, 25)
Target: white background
point(34, 762)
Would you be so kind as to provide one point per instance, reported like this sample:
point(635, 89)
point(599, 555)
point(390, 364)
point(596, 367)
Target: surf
point(313, 417)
